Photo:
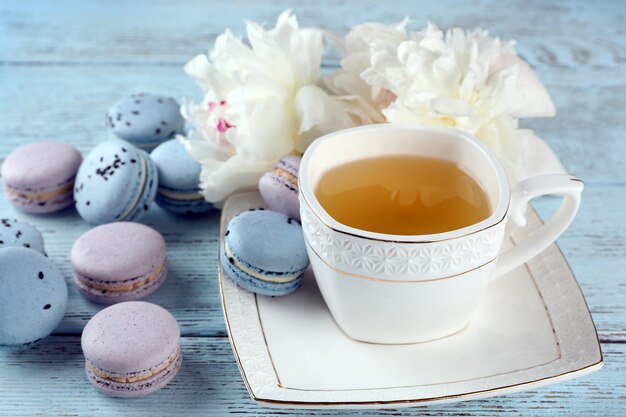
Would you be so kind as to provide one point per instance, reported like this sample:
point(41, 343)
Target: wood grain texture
point(161, 32)
point(209, 384)
point(63, 63)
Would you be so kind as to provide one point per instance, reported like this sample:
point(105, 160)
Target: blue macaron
point(145, 120)
point(179, 175)
point(16, 233)
point(33, 297)
point(264, 252)
point(115, 182)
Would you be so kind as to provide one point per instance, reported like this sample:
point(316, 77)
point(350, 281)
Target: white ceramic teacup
point(403, 289)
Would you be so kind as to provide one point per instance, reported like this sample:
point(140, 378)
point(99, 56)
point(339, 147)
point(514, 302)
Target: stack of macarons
point(118, 180)
point(263, 250)
point(132, 347)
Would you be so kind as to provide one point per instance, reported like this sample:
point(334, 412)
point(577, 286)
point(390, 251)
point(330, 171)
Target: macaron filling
point(129, 285)
point(288, 176)
point(140, 192)
point(180, 196)
point(268, 276)
point(284, 164)
point(43, 194)
point(136, 377)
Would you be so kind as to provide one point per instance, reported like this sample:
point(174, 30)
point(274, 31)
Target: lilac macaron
point(39, 177)
point(131, 349)
point(279, 187)
point(121, 261)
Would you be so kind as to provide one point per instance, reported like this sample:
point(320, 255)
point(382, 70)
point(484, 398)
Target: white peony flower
point(261, 101)
point(363, 101)
point(467, 81)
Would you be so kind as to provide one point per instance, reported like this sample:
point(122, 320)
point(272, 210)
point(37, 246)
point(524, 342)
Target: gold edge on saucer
point(223, 301)
point(564, 375)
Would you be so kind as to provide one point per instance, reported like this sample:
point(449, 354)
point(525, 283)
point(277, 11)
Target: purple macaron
point(131, 349)
point(279, 187)
point(121, 261)
point(39, 177)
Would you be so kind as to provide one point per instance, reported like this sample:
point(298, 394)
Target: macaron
point(264, 252)
point(279, 187)
point(39, 177)
point(118, 262)
point(16, 233)
point(115, 182)
point(131, 349)
point(145, 120)
point(33, 297)
point(179, 175)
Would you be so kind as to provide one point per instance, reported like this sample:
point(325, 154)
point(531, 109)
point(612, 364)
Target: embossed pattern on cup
point(405, 261)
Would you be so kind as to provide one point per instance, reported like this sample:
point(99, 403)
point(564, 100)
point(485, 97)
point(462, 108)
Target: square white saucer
point(533, 329)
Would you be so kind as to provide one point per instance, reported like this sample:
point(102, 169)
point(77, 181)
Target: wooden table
point(63, 63)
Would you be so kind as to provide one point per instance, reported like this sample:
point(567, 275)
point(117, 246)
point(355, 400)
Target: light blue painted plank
point(574, 33)
point(51, 379)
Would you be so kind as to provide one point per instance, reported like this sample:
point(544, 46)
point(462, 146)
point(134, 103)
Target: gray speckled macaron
point(115, 182)
point(131, 349)
point(145, 120)
point(33, 297)
point(16, 233)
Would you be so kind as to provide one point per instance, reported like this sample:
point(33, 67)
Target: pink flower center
point(222, 124)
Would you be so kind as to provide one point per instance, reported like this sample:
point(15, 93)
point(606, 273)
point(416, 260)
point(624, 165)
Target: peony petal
point(534, 100)
point(306, 56)
point(318, 114)
point(219, 180)
point(198, 69)
point(265, 130)
point(268, 50)
point(202, 150)
point(538, 157)
point(451, 107)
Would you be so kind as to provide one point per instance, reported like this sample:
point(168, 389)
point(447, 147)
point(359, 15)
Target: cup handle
point(563, 185)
